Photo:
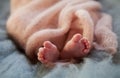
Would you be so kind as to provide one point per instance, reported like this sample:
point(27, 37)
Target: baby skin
point(77, 47)
point(60, 30)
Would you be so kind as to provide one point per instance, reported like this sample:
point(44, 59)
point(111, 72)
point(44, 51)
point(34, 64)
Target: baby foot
point(78, 46)
point(48, 54)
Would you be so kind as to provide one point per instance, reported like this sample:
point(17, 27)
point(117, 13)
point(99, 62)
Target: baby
point(52, 30)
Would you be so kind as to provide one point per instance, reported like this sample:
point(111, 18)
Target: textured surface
point(14, 64)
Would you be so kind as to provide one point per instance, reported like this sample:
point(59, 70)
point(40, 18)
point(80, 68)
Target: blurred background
point(14, 64)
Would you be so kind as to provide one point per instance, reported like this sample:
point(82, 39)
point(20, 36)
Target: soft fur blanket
point(99, 64)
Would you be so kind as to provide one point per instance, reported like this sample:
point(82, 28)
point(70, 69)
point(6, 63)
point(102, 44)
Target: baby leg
point(48, 53)
point(105, 38)
point(15, 4)
point(77, 45)
point(48, 15)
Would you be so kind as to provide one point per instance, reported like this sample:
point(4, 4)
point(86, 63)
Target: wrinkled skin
point(52, 30)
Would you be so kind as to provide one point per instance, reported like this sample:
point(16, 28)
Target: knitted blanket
point(99, 64)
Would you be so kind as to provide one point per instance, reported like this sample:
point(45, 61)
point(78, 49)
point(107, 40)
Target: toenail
point(85, 51)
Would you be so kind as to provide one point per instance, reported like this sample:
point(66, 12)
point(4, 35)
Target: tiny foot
point(77, 47)
point(86, 45)
point(48, 54)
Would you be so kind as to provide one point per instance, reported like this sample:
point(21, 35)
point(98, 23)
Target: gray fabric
point(14, 64)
